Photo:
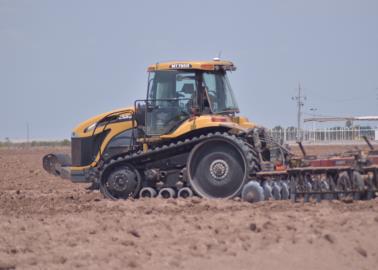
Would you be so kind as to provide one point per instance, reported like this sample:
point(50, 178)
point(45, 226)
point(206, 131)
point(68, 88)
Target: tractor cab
point(179, 90)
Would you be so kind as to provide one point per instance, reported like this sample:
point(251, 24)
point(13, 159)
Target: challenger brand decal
point(124, 117)
point(180, 66)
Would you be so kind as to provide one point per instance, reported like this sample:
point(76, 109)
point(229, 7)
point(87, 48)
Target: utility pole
point(300, 102)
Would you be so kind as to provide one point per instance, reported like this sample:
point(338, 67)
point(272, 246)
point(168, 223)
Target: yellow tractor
point(185, 138)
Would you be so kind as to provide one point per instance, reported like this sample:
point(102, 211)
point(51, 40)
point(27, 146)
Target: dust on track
point(48, 223)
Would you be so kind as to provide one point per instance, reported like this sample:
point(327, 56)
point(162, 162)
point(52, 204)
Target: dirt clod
point(132, 264)
point(253, 227)
point(134, 233)
point(361, 251)
point(329, 238)
point(347, 200)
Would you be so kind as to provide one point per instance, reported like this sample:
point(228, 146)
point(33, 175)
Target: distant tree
point(348, 123)
point(278, 128)
point(66, 142)
point(7, 142)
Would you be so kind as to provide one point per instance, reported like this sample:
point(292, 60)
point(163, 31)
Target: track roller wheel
point(185, 192)
point(252, 192)
point(167, 193)
point(147, 192)
point(120, 182)
point(217, 168)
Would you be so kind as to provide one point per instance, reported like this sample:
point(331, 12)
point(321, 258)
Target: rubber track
point(179, 147)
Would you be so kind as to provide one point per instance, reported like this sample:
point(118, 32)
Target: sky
point(62, 62)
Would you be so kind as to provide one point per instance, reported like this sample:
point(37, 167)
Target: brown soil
point(48, 223)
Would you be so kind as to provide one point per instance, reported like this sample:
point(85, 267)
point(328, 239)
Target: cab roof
point(188, 65)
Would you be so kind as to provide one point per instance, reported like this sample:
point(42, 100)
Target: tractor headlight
point(91, 127)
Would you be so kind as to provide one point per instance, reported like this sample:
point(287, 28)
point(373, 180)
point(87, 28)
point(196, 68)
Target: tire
point(120, 182)
point(252, 192)
point(217, 168)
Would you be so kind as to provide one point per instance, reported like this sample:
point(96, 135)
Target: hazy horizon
point(63, 62)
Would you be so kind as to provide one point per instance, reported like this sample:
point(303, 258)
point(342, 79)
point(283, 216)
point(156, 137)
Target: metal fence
point(327, 135)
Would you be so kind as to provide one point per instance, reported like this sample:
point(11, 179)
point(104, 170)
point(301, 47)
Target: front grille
point(84, 150)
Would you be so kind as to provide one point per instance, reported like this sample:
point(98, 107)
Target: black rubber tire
point(131, 176)
point(252, 192)
point(205, 177)
point(285, 194)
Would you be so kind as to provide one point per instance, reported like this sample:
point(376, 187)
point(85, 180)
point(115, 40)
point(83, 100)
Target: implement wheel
point(120, 182)
point(217, 168)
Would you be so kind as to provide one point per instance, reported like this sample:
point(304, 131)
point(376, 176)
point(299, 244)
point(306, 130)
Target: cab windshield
point(171, 95)
point(219, 92)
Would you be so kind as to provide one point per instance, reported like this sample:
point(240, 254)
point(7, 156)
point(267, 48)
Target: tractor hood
point(97, 123)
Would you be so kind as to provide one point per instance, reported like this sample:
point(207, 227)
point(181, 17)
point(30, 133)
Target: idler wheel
point(120, 182)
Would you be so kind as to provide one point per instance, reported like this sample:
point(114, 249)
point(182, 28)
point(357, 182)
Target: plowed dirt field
point(48, 223)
